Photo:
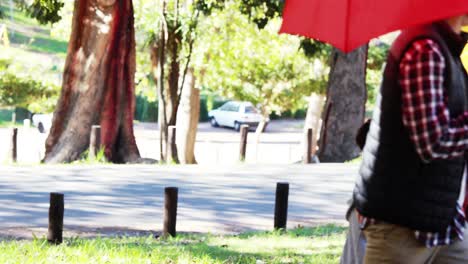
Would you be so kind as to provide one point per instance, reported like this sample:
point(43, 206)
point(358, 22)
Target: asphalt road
point(217, 199)
point(281, 144)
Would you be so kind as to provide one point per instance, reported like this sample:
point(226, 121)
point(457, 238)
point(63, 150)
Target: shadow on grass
point(199, 248)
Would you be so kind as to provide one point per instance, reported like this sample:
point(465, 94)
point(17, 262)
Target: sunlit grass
point(39, 43)
point(16, 15)
point(303, 245)
point(29, 34)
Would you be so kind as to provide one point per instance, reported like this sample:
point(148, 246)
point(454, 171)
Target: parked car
point(234, 114)
point(43, 122)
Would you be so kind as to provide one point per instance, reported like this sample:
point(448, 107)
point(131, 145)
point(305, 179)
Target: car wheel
point(213, 122)
point(40, 127)
point(237, 126)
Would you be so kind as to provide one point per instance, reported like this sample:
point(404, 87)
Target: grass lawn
point(303, 245)
point(40, 43)
point(29, 34)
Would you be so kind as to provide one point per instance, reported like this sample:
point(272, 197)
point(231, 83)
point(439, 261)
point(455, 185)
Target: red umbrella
point(348, 24)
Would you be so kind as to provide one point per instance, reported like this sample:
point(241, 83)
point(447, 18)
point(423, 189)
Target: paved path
point(281, 144)
point(211, 199)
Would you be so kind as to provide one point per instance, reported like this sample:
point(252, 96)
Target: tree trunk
point(262, 126)
point(312, 119)
point(167, 49)
point(98, 84)
point(168, 92)
point(347, 95)
point(171, 93)
point(187, 120)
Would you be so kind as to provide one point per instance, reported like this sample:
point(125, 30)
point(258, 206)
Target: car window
point(226, 107)
point(235, 108)
point(251, 110)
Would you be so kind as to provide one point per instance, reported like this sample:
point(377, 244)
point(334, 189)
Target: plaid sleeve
point(424, 104)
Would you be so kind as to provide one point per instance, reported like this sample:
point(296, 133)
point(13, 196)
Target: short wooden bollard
point(281, 205)
point(244, 131)
point(307, 158)
point(56, 211)
point(170, 211)
point(14, 144)
point(95, 141)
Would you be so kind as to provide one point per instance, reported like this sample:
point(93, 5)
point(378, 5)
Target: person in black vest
point(410, 193)
point(355, 244)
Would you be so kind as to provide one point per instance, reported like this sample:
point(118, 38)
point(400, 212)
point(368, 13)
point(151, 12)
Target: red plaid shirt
point(426, 116)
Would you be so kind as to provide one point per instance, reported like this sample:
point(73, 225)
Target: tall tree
point(346, 92)
point(345, 106)
point(246, 63)
point(98, 84)
point(172, 48)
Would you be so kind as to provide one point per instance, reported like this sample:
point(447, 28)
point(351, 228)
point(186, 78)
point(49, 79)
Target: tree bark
point(187, 120)
point(98, 84)
point(166, 53)
point(312, 119)
point(168, 93)
point(171, 93)
point(347, 94)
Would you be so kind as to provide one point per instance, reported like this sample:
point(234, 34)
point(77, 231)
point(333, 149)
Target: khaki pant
point(388, 243)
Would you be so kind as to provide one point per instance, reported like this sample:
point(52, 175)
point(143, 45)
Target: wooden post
point(14, 144)
point(172, 155)
point(281, 205)
point(95, 141)
point(56, 211)
point(307, 156)
point(170, 211)
point(244, 131)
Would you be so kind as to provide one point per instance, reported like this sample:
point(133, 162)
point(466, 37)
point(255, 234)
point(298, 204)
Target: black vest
point(394, 184)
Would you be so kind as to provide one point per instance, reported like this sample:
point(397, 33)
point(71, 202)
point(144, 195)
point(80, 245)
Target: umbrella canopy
point(348, 24)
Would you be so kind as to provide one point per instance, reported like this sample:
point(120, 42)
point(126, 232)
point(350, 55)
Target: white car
point(234, 114)
point(43, 122)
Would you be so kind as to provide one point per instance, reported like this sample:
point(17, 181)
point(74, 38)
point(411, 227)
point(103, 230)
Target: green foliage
point(207, 6)
point(260, 12)
point(44, 11)
point(377, 55)
point(6, 115)
point(146, 110)
point(23, 91)
point(245, 63)
point(209, 102)
point(315, 49)
point(373, 80)
point(87, 158)
point(16, 91)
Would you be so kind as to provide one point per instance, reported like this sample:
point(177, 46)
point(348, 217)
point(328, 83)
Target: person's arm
point(425, 111)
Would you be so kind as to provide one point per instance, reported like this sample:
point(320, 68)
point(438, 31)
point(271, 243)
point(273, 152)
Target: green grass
point(39, 43)
point(88, 159)
point(17, 15)
point(304, 245)
point(37, 37)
